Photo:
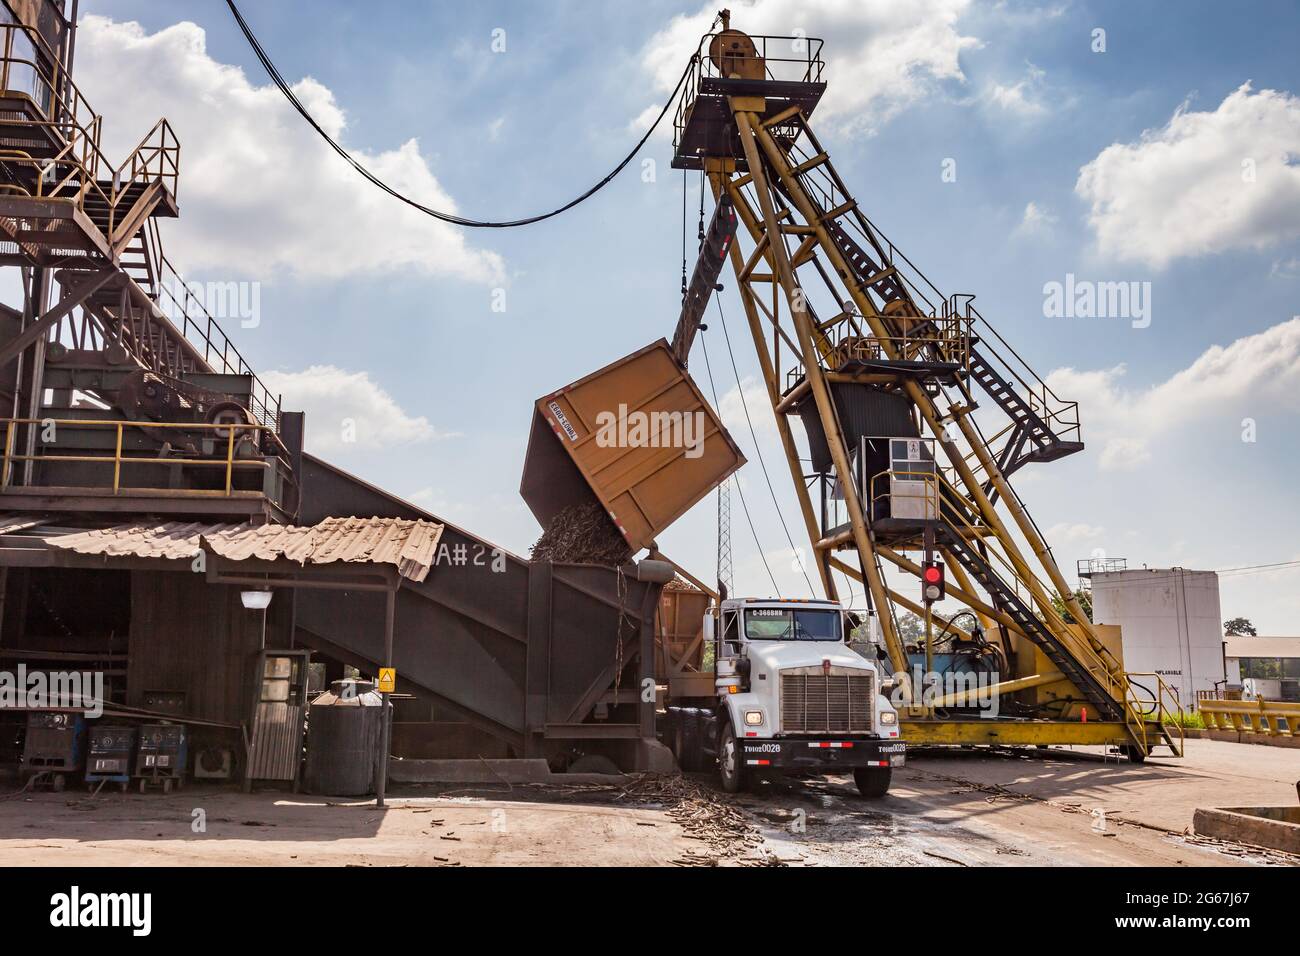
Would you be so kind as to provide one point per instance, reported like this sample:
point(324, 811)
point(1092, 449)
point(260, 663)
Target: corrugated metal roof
point(408, 544)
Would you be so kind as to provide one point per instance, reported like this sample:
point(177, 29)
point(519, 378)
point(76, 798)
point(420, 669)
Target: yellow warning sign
point(387, 680)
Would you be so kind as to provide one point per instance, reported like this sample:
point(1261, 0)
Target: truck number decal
point(564, 422)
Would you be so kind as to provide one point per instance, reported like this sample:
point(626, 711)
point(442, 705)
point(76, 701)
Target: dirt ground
point(951, 808)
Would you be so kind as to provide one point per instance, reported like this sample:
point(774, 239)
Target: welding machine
point(53, 746)
point(109, 754)
point(161, 756)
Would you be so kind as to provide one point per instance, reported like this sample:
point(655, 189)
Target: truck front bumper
point(825, 754)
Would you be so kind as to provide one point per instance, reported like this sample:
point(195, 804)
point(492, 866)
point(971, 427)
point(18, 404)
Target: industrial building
point(161, 524)
point(1264, 668)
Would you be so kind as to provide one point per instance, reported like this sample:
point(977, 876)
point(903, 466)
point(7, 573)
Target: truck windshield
point(788, 624)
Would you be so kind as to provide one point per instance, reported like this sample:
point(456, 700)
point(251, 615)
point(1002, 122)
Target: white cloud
point(731, 408)
point(1035, 220)
point(1124, 454)
point(347, 410)
point(1203, 183)
point(881, 56)
point(1073, 532)
point(1253, 371)
point(1022, 99)
point(259, 191)
point(1286, 268)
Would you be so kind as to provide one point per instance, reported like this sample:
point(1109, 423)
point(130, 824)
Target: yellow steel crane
point(915, 411)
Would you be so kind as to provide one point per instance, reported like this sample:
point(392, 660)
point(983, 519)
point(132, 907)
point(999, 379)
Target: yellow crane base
point(1015, 732)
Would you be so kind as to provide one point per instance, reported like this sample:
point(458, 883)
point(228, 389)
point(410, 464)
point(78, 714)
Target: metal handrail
point(218, 349)
point(951, 337)
point(1252, 716)
point(159, 160)
point(1163, 705)
point(237, 435)
point(69, 119)
point(807, 68)
point(930, 479)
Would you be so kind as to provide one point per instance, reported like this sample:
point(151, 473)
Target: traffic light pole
point(927, 683)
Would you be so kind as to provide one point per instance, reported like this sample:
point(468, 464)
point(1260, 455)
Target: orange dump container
point(637, 436)
point(679, 626)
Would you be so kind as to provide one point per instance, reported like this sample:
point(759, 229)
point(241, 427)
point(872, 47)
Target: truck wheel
point(873, 782)
point(730, 767)
point(1135, 754)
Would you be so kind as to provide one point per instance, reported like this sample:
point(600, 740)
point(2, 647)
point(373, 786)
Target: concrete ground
point(948, 808)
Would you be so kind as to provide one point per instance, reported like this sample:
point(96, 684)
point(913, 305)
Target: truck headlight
point(888, 717)
point(753, 717)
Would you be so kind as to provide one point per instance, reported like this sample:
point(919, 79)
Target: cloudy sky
point(1170, 157)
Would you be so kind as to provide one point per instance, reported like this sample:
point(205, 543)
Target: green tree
point(1085, 602)
point(1239, 627)
point(910, 627)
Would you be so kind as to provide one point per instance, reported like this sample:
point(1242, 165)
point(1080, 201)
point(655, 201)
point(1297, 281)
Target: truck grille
point(814, 703)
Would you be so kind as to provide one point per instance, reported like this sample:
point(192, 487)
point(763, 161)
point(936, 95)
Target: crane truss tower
point(915, 411)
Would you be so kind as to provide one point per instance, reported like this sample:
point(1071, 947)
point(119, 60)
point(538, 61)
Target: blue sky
point(394, 315)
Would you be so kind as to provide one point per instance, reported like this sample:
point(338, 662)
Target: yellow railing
point(927, 495)
point(922, 338)
point(1274, 718)
point(235, 435)
point(1161, 704)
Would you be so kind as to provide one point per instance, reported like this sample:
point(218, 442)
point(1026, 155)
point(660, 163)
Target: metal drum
point(344, 725)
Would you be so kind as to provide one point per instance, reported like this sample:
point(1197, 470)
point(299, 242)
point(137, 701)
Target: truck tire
point(731, 768)
point(1134, 753)
point(873, 782)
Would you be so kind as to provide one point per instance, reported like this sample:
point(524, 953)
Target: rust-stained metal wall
point(522, 651)
point(191, 636)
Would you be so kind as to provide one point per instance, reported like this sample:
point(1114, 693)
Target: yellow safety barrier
point(1272, 717)
point(231, 435)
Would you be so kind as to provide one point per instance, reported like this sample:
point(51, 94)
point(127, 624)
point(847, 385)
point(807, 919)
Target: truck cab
point(791, 695)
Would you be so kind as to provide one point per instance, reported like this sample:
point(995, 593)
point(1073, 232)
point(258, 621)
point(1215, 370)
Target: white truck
point(788, 695)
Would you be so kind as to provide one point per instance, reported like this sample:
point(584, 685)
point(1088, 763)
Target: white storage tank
point(1170, 624)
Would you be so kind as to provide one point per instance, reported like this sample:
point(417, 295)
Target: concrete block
point(1275, 827)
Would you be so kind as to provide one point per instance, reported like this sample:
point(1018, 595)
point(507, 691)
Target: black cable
point(287, 90)
point(776, 588)
point(759, 451)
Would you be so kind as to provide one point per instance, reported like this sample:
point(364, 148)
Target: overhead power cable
point(776, 588)
point(455, 220)
point(740, 389)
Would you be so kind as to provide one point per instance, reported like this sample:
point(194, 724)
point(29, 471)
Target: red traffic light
point(932, 583)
